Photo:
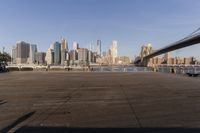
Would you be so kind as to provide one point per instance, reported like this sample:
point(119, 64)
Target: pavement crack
point(67, 99)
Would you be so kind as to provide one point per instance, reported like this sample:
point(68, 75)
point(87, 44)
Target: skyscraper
point(90, 54)
point(64, 49)
point(22, 52)
point(73, 55)
point(33, 50)
point(64, 44)
point(83, 56)
point(114, 51)
point(57, 53)
point(14, 55)
point(75, 46)
point(40, 58)
point(99, 48)
point(167, 57)
point(49, 56)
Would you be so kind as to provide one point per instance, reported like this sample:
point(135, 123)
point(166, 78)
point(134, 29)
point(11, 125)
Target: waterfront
point(92, 68)
point(76, 102)
point(176, 69)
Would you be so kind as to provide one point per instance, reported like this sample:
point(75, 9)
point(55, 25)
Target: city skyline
point(59, 54)
point(132, 23)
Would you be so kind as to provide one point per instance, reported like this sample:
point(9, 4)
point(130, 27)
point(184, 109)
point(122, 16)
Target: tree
point(5, 57)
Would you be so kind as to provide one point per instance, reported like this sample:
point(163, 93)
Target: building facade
point(22, 52)
point(73, 55)
point(98, 48)
point(83, 56)
point(40, 58)
point(49, 57)
point(33, 50)
point(124, 60)
point(114, 51)
point(14, 55)
point(75, 46)
point(57, 53)
point(64, 50)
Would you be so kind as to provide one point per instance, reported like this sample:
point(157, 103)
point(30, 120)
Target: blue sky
point(131, 22)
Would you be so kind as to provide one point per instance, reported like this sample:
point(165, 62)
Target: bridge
point(185, 42)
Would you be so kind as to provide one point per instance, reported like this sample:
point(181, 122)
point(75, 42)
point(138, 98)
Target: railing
point(94, 68)
point(178, 69)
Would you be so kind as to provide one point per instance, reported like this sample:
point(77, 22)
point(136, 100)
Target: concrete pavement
point(98, 102)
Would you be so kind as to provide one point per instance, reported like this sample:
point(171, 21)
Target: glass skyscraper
point(33, 50)
point(57, 53)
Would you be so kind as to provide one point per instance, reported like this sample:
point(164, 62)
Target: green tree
point(5, 57)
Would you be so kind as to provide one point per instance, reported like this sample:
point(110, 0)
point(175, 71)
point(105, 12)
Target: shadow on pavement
point(27, 129)
point(2, 102)
point(15, 123)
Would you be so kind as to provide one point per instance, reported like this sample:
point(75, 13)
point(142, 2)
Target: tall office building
point(114, 51)
point(33, 50)
point(167, 55)
point(14, 55)
point(83, 54)
point(99, 48)
point(75, 46)
point(22, 50)
point(49, 57)
point(73, 55)
point(40, 58)
point(52, 46)
point(90, 54)
point(67, 56)
point(92, 47)
point(64, 44)
point(57, 53)
point(123, 60)
point(64, 50)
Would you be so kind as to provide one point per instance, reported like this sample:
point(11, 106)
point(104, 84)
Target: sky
point(132, 23)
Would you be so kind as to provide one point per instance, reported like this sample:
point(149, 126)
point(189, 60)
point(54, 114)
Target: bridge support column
point(145, 62)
